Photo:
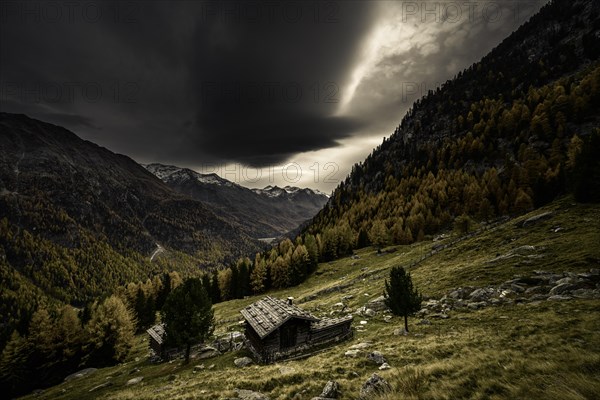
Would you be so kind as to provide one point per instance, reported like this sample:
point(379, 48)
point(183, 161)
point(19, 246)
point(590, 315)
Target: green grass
point(544, 350)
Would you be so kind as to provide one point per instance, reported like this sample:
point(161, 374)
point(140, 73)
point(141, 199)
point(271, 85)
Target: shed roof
point(268, 314)
point(157, 332)
point(326, 323)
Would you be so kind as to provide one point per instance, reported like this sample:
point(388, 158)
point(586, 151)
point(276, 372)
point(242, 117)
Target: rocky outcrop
point(375, 385)
point(540, 286)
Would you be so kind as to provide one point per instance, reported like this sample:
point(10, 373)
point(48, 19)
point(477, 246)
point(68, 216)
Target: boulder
point(135, 381)
point(377, 304)
point(461, 293)
point(375, 385)
point(563, 288)
point(478, 295)
point(352, 353)
point(376, 357)
point(400, 332)
point(331, 390)
point(207, 352)
point(477, 305)
point(384, 366)
point(243, 362)
point(369, 313)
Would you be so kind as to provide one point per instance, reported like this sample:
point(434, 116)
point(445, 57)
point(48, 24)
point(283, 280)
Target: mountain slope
point(76, 220)
point(268, 212)
point(509, 133)
point(514, 347)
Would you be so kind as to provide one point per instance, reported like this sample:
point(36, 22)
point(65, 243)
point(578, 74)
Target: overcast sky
point(286, 93)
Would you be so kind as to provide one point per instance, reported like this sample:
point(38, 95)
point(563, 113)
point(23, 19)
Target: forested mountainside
point(265, 213)
point(500, 139)
point(509, 133)
point(77, 220)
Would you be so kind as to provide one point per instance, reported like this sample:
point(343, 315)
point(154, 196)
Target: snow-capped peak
point(170, 173)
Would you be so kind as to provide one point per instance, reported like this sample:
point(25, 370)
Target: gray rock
point(400, 332)
point(375, 385)
point(244, 394)
point(243, 362)
point(535, 290)
point(377, 304)
point(559, 297)
point(586, 294)
point(439, 316)
point(101, 386)
point(135, 381)
point(360, 346)
point(562, 288)
point(198, 367)
point(461, 293)
point(477, 305)
point(517, 288)
point(352, 353)
point(284, 370)
point(331, 390)
point(207, 352)
point(523, 250)
point(535, 219)
point(567, 279)
point(81, 374)
point(424, 322)
point(369, 313)
point(538, 297)
point(384, 366)
point(528, 281)
point(376, 357)
point(479, 295)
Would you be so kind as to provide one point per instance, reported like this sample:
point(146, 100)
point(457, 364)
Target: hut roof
point(326, 323)
point(268, 314)
point(157, 332)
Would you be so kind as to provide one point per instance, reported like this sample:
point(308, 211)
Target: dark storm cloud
point(191, 82)
point(266, 91)
point(139, 71)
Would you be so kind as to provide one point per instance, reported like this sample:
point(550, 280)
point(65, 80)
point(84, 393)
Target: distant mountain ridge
point(77, 220)
point(268, 212)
